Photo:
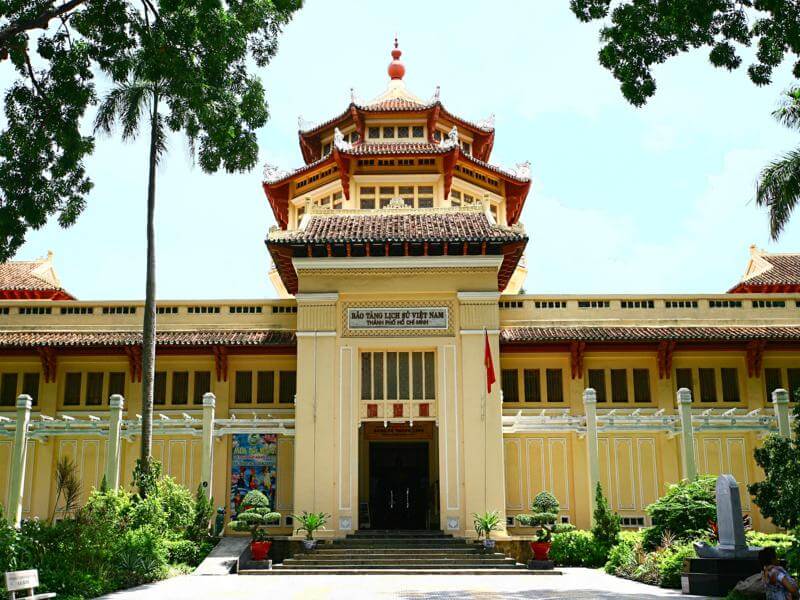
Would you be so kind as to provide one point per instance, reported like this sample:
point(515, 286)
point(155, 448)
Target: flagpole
point(483, 418)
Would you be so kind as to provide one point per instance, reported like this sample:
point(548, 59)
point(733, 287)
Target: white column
point(687, 434)
point(115, 404)
point(207, 465)
point(592, 446)
point(15, 492)
point(780, 403)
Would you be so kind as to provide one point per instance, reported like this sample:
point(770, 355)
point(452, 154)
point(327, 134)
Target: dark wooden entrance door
point(399, 482)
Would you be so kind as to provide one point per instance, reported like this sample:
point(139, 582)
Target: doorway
point(399, 484)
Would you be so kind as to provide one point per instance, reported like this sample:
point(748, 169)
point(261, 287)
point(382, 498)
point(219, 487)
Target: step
point(401, 561)
point(355, 553)
point(394, 567)
point(478, 571)
point(362, 543)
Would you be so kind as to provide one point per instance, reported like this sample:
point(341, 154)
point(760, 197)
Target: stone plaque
point(423, 317)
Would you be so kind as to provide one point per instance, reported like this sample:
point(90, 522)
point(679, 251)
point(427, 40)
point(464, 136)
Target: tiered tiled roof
point(544, 334)
point(31, 280)
point(770, 273)
point(215, 337)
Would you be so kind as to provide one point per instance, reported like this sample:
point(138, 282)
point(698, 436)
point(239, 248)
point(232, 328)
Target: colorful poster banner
point(254, 466)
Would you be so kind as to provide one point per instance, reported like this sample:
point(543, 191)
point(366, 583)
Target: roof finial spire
point(396, 68)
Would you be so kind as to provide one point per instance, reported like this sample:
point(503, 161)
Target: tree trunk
point(149, 326)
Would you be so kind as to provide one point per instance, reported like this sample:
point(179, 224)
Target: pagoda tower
point(397, 237)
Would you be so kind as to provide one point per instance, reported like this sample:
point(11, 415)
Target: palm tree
point(129, 103)
point(779, 186)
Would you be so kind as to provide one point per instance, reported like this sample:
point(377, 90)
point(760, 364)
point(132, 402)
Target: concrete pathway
point(575, 584)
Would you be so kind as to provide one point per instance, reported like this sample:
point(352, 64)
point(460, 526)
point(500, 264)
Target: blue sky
point(625, 200)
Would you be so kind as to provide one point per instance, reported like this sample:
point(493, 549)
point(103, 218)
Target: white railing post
point(115, 405)
point(687, 434)
point(592, 447)
point(20, 454)
point(780, 403)
point(207, 464)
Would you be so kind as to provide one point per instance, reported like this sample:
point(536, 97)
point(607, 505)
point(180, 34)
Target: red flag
point(487, 362)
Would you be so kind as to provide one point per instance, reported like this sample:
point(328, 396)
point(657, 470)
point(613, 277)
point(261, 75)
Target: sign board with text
point(417, 318)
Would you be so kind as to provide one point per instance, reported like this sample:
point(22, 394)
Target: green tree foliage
point(577, 549)
point(203, 511)
point(486, 523)
point(638, 34)
point(544, 515)
point(683, 512)
point(255, 513)
point(606, 526)
point(199, 51)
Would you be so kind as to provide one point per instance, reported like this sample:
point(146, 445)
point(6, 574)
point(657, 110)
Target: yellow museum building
point(362, 390)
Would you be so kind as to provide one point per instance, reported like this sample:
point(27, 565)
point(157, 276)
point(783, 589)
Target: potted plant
point(310, 522)
point(485, 524)
point(544, 516)
point(254, 513)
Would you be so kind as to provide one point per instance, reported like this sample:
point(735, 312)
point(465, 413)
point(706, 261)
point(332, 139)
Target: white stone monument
point(732, 542)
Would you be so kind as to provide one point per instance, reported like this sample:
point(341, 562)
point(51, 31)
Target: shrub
point(256, 512)
point(183, 552)
point(684, 511)
point(544, 515)
point(606, 522)
point(577, 549)
point(142, 556)
point(622, 556)
point(203, 511)
point(670, 564)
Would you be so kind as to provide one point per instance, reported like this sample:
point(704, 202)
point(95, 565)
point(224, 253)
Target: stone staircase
point(375, 552)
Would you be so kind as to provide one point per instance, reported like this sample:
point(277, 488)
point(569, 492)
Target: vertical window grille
point(509, 385)
point(202, 385)
point(597, 381)
point(405, 376)
point(244, 387)
point(683, 379)
point(72, 389)
point(8, 389)
point(793, 380)
point(641, 385)
point(772, 380)
point(430, 377)
point(160, 388)
point(416, 374)
point(30, 386)
point(116, 383)
point(730, 385)
point(708, 385)
point(94, 389)
point(533, 390)
point(377, 375)
point(180, 387)
point(391, 375)
point(619, 385)
point(287, 386)
point(366, 376)
point(555, 385)
point(398, 375)
point(265, 387)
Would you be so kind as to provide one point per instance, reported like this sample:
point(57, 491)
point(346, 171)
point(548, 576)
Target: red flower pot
point(259, 550)
point(541, 550)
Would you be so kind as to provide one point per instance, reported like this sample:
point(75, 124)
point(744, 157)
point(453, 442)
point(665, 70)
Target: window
point(772, 381)
point(388, 132)
point(72, 389)
point(466, 147)
point(202, 385)
point(244, 387)
point(160, 388)
point(419, 196)
point(597, 381)
point(641, 385)
point(30, 386)
point(683, 379)
point(730, 385)
point(417, 131)
point(116, 384)
point(94, 389)
point(265, 387)
point(532, 380)
point(287, 382)
point(374, 133)
point(8, 389)
point(402, 131)
point(180, 387)
point(398, 376)
point(555, 385)
point(793, 380)
point(619, 385)
point(510, 385)
point(708, 385)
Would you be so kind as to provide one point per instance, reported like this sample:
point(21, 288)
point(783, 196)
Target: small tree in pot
point(255, 512)
point(544, 516)
point(485, 524)
point(311, 522)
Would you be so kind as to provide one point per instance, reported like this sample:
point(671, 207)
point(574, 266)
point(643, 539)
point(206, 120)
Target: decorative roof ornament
point(451, 141)
point(396, 203)
point(396, 69)
point(339, 142)
point(273, 173)
point(304, 125)
point(487, 123)
point(436, 94)
point(522, 170)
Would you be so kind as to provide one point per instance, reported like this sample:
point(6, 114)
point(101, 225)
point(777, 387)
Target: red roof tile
point(377, 148)
point(68, 339)
point(392, 104)
point(784, 270)
point(407, 226)
point(563, 334)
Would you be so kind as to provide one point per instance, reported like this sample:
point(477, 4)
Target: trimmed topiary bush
point(256, 513)
point(544, 515)
point(684, 511)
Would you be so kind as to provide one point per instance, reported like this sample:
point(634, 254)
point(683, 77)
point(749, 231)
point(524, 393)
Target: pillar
point(15, 492)
point(115, 404)
point(780, 402)
point(687, 434)
point(592, 446)
point(207, 458)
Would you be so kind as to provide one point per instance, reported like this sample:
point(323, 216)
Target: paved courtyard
point(575, 584)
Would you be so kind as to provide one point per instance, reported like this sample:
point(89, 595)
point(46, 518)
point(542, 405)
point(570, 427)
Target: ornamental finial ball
point(396, 68)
